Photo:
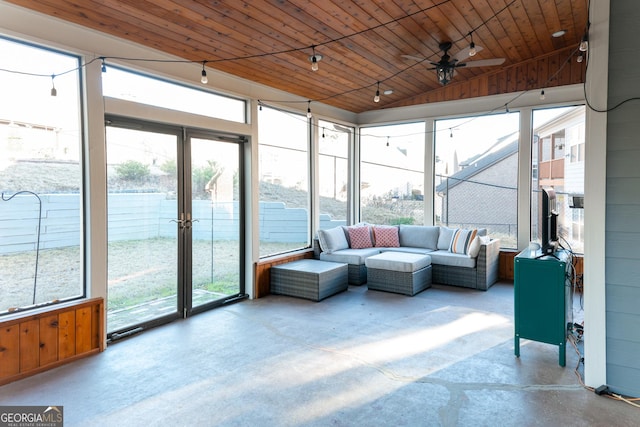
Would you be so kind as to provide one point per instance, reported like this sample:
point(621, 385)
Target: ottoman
point(399, 272)
point(309, 278)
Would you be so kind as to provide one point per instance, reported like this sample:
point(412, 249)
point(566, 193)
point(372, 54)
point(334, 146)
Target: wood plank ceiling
point(362, 42)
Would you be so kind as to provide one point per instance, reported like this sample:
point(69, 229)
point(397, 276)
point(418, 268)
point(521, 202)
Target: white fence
point(137, 216)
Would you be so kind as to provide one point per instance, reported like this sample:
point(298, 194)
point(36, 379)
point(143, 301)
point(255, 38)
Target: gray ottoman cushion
point(398, 261)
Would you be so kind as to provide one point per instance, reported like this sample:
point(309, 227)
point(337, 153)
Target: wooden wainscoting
point(505, 271)
point(506, 268)
point(50, 338)
point(263, 269)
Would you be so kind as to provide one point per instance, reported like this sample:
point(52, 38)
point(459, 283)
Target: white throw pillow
point(444, 238)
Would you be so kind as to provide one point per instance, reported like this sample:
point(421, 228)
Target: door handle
point(181, 222)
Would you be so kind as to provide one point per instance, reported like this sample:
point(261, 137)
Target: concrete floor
point(360, 358)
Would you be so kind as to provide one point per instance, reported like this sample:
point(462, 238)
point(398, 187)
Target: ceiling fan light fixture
point(445, 74)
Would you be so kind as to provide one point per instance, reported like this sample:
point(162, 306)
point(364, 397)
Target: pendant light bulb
point(309, 115)
point(314, 58)
point(542, 94)
point(580, 57)
point(104, 66)
point(54, 92)
point(584, 43)
point(377, 97)
point(472, 46)
point(204, 80)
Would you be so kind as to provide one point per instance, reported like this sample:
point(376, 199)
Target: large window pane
point(333, 148)
point(40, 178)
point(392, 174)
point(284, 181)
point(476, 171)
point(121, 84)
point(558, 162)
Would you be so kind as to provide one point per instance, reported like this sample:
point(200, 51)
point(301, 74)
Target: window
point(41, 209)
point(392, 174)
point(476, 174)
point(564, 128)
point(333, 148)
point(284, 181)
point(130, 86)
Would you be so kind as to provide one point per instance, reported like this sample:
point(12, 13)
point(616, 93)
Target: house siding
point(622, 228)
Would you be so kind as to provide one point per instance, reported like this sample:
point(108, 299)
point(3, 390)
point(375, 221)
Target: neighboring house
point(482, 192)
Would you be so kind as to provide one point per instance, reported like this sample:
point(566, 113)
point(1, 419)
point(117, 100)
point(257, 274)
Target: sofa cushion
point(350, 256)
point(454, 260)
point(419, 236)
point(346, 228)
point(444, 238)
point(405, 249)
point(332, 240)
point(360, 237)
point(461, 241)
point(386, 236)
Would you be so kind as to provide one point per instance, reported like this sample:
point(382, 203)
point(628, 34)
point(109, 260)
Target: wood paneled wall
point(263, 270)
point(556, 69)
point(51, 338)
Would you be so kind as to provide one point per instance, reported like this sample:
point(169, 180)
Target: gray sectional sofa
point(459, 257)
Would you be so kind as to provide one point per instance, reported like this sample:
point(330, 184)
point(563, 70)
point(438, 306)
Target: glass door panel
point(215, 221)
point(143, 264)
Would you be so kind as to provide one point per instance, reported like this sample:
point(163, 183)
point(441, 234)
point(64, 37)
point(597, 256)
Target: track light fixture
point(54, 92)
point(315, 58)
point(472, 46)
point(377, 97)
point(309, 115)
point(204, 78)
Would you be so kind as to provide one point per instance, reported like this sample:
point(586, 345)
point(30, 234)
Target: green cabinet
point(543, 299)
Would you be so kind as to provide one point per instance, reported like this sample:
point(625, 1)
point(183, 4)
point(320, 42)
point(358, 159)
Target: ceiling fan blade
point(483, 62)
point(413, 58)
point(463, 55)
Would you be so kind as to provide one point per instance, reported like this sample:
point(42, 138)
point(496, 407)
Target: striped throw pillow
point(461, 241)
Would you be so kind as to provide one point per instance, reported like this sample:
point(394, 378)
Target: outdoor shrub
point(132, 170)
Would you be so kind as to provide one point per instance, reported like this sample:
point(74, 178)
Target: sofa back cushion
point(445, 237)
point(332, 239)
point(419, 236)
point(386, 236)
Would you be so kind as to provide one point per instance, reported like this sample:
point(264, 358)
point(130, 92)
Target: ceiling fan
point(445, 68)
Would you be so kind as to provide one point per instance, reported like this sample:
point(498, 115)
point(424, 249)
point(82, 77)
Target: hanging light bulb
point(450, 133)
point(506, 108)
point(54, 92)
point(472, 46)
point(315, 58)
point(204, 78)
point(584, 43)
point(309, 115)
point(377, 97)
point(542, 94)
point(580, 57)
point(104, 66)
point(387, 141)
point(322, 133)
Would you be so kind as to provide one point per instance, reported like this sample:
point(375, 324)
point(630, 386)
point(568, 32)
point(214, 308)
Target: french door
point(174, 223)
